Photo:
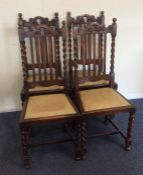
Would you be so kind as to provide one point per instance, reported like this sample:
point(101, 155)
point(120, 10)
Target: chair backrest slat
point(105, 41)
point(38, 57)
point(83, 50)
point(44, 56)
point(32, 59)
point(57, 57)
point(94, 54)
point(49, 49)
point(89, 54)
point(100, 47)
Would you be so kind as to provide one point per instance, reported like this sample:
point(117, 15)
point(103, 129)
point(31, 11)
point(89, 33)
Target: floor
point(106, 155)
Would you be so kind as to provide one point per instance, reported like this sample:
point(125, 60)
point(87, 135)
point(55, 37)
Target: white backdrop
point(129, 47)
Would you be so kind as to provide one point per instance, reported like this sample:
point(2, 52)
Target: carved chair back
point(85, 43)
point(90, 55)
point(42, 41)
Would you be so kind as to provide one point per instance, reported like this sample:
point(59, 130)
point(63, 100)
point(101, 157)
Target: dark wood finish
point(47, 43)
point(81, 149)
point(84, 43)
point(43, 59)
point(43, 44)
point(86, 61)
point(101, 32)
point(25, 139)
point(90, 48)
point(128, 140)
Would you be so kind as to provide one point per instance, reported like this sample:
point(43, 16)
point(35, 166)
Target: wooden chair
point(102, 99)
point(100, 44)
point(82, 54)
point(42, 66)
point(30, 62)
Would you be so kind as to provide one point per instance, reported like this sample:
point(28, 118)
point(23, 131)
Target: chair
point(31, 63)
point(40, 66)
point(83, 55)
point(102, 99)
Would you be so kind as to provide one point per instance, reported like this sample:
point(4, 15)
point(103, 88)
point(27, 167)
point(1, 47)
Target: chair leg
point(128, 141)
point(25, 138)
point(115, 86)
point(81, 141)
point(22, 96)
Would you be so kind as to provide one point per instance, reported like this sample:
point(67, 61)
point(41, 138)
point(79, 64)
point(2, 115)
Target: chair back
point(78, 22)
point(42, 44)
point(89, 52)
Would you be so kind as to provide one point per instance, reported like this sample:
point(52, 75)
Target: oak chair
point(84, 53)
point(41, 69)
point(102, 99)
point(31, 68)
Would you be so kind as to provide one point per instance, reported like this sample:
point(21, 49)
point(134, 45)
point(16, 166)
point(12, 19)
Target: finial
point(20, 15)
point(114, 27)
point(20, 21)
point(56, 14)
point(63, 22)
point(114, 20)
point(68, 14)
point(102, 13)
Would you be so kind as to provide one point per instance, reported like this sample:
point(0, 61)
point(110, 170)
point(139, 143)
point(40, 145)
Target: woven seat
point(89, 83)
point(42, 88)
point(103, 98)
point(50, 106)
point(100, 82)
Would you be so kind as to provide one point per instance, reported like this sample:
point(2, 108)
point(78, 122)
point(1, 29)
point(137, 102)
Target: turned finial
point(114, 20)
point(69, 14)
point(114, 26)
point(20, 15)
point(56, 14)
point(20, 20)
point(102, 18)
point(63, 22)
point(57, 19)
point(102, 13)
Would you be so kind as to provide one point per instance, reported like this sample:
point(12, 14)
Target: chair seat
point(103, 98)
point(50, 106)
point(42, 88)
point(100, 82)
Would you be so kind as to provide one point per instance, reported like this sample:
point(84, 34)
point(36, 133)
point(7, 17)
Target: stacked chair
point(100, 98)
point(65, 78)
point(44, 96)
point(84, 53)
